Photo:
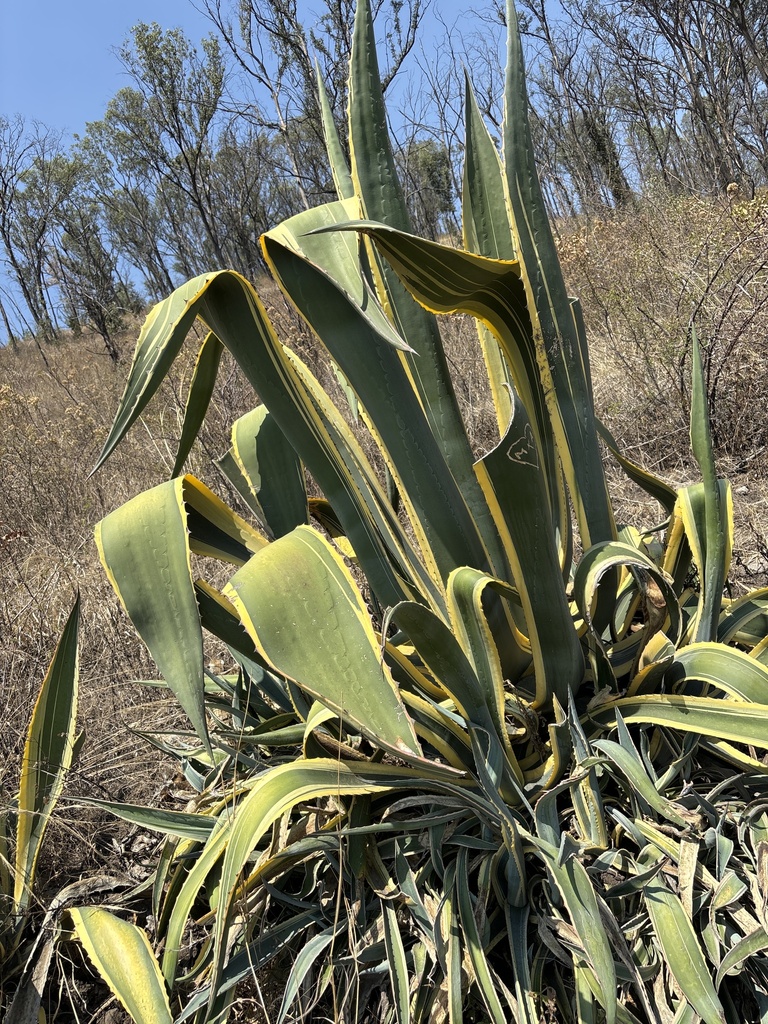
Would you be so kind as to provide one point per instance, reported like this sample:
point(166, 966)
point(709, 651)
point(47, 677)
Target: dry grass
point(643, 277)
point(53, 421)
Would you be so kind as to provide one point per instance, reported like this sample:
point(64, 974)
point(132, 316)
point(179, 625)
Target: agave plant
point(456, 776)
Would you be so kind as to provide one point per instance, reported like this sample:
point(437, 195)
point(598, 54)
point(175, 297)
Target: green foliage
point(456, 775)
point(49, 752)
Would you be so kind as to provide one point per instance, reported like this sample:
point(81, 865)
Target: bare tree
point(34, 181)
point(276, 52)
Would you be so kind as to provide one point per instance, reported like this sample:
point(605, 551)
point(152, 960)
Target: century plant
point(457, 774)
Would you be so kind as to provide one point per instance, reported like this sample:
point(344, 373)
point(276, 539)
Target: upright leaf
point(272, 469)
point(144, 550)
point(47, 757)
point(375, 176)
point(511, 477)
point(355, 338)
point(199, 397)
point(342, 179)
point(485, 221)
point(713, 567)
point(682, 952)
point(558, 332)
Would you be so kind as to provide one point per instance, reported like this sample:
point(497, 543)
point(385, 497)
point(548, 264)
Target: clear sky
point(57, 59)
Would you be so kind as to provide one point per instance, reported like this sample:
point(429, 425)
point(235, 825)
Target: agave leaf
point(586, 1009)
point(641, 830)
point(48, 754)
point(486, 231)
point(406, 562)
point(273, 471)
point(195, 827)
point(345, 189)
point(342, 178)
point(447, 280)
point(122, 955)
point(750, 945)
point(269, 943)
point(437, 508)
point(154, 354)
point(485, 217)
point(396, 962)
point(651, 484)
point(586, 796)
point(601, 558)
point(473, 942)
point(323, 642)
point(271, 795)
point(682, 952)
point(730, 670)
point(694, 506)
point(547, 772)
point(373, 164)
point(747, 617)
point(406, 559)
point(215, 531)
point(733, 755)
point(729, 720)
point(410, 887)
point(466, 588)
point(454, 974)
point(145, 548)
point(731, 888)
point(760, 651)
point(517, 934)
point(232, 471)
point(639, 782)
point(442, 654)
point(199, 397)
point(302, 965)
point(220, 617)
point(425, 993)
point(336, 256)
point(441, 731)
point(577, 892)
point(677, 550)
point(547, 816)
point(562, 355)
point(232, 310)
point(375, 177)
point(511, 479)
point(6, 885)
point(714, 531)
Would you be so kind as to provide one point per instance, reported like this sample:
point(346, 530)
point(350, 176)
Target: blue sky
point(57, 60)
point(57, 63)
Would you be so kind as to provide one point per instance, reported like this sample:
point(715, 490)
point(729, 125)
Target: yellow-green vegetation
point(486, 753)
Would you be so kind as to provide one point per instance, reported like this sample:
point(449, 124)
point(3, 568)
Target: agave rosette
point(454, 772)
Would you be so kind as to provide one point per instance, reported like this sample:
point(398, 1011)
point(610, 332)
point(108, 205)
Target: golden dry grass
point(642, 277)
